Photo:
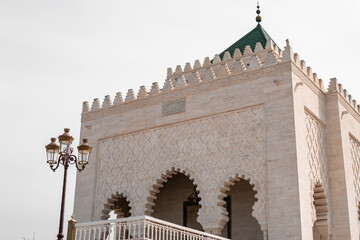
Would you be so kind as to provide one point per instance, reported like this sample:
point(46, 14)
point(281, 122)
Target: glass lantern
point(65, 142)
point(84, 152)
point(52, 152)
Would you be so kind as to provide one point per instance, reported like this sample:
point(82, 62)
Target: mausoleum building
point(248, 145)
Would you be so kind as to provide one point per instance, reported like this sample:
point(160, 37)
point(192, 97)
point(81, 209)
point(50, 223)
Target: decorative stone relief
point(355, 157)
point(316, 156)
point(212, 150)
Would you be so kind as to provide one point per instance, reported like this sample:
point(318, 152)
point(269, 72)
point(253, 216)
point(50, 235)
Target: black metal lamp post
point(63, 155)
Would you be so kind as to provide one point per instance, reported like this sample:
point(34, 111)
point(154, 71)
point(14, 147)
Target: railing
point(138, 228)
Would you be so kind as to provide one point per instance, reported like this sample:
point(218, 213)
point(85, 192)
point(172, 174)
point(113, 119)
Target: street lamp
point(62, 154)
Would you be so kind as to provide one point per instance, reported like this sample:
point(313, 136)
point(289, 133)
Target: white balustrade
point(138, 228)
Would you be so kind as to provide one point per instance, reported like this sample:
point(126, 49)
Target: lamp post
point(62, 154)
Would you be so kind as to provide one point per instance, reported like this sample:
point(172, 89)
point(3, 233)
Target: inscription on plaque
point(173, 107)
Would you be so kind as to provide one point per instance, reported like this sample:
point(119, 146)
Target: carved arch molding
point(211, 150)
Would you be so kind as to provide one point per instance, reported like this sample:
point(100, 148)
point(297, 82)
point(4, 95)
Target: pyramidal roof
point(258, 34)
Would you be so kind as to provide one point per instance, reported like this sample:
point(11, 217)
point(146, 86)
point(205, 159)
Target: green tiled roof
point(258, 34)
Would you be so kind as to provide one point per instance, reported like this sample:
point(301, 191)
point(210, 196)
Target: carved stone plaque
point(173, 107)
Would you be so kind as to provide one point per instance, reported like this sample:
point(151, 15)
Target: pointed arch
point(259, 207)
point(159, 183)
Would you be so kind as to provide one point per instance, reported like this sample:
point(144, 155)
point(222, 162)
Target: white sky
point(56, 54)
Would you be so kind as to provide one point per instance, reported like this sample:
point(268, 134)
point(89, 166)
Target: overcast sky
point(56, 54)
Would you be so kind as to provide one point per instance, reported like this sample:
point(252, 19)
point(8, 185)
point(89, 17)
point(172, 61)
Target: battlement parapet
point(216, 68)
point(335, 86)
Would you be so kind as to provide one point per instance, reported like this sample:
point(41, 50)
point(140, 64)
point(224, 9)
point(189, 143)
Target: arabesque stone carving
point(211, 150)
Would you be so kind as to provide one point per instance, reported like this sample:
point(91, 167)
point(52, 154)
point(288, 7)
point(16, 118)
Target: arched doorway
point(239, 204)
point(117, 205)
point(178, 202)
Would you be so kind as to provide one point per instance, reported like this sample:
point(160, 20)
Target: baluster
point(77, 233)
point(139, 229)
point(133, 227)
point(124, 230)
point(92, 237)
point(156, 232)
point(104, 234)
point(148, 230)
point(153, 231)
point(80, 233)
point(99, 232)
point(128, 236)
point(118, 236)
point(143, 229)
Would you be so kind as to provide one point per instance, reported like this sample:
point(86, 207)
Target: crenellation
point(218, 68)
point(335, 86)
point(130, 96)
point(247, 50)
point(207, 62)
point(316, 79)
point(96, 105)
point(309, 73)
point(197, 64)
point(227, 56)
point(118, 98)
point(155, 89)
point(178, 70)
point(258, 47)
point(169, 72)
point(297, 59)
point(142, 92)
point(303, 65)
point(237, 53)
point(86, 107)
point(187, 67)
point(277, 50)
point(288, 54)
point(269, 45)
point(321, 84)
point(168, 85)
point(216, 59)
point(209, 70)
point(340, 89)
point(107, 102)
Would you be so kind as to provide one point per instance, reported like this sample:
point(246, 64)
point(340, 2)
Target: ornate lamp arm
point(73, 160)
point(60, 158)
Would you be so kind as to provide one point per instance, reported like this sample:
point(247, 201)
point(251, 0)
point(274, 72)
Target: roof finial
point(258, 17)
